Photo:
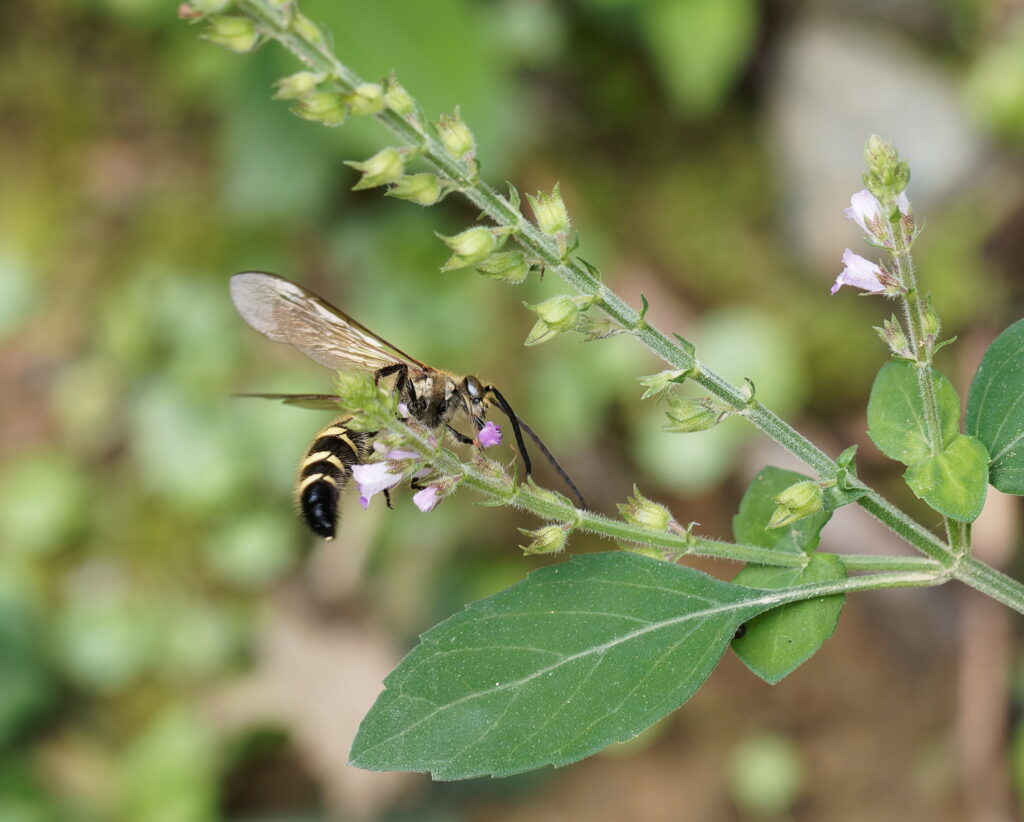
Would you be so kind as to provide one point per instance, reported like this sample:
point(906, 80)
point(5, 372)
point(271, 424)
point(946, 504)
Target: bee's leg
point(402, 385)
point(387, 498)
point(459, 435)
point(416, 485)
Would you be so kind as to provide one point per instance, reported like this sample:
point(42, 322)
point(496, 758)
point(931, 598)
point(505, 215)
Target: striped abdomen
point(324, 472)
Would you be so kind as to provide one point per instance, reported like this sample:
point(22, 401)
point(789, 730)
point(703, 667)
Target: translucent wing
point(285, 312)
point(318, 402)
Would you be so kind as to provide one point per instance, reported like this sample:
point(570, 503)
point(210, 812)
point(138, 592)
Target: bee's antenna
point(518, 424)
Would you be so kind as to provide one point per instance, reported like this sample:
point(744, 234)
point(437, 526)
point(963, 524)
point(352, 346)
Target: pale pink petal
point(427, 499)
point(903, 203)
point(859, 273)
point(373, 478)
point(864, 209)
point(489, 435)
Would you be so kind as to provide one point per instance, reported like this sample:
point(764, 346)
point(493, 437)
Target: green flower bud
point(892, 335)
point(422, 189)
point(931, 324)
point(638, 510)
point(507, 266)
point(547, 540)
point(796, 502)
point(550, 212)
point(398, 99)
point(470, 246)
point(236, 33)
point(886, 176)
point(556, 316)
point(325, 107)
point(687, 415)
point(386, 166)
point(366, 99)
point(657, 383)
point(369, 406)
point(307, 29)
point(456, 136)
point(297, 85)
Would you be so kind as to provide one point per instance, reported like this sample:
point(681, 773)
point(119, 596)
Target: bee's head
point(476, 400)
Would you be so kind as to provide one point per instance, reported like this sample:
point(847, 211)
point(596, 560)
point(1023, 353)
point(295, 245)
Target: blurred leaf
point(168, 773)
point(896, 421)
point(995, 408)
point(575, 657)
point(995, 83)
point(253, 551)
point(756, 509)
point(43, 500)
point(26, 686)
point(776, 643)
point(700, 47)
point(953, 482)
point(23, 796)
point(766, 775)
point(19, 291)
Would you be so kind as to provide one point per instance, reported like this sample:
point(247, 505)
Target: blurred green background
point(174, 647)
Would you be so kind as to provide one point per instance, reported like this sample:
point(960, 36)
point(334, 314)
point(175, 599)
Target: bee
point(285, 312)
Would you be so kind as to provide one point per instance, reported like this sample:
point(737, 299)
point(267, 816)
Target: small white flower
point(860, 273)
point(903, 203)
point(427, 499)
point(372, 478)
point(865, 211)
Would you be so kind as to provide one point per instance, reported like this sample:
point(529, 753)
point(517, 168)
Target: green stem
point(988, 580)
point(314, 53)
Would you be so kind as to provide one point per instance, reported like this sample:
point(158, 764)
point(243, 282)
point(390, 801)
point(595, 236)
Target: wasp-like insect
point(285, 312)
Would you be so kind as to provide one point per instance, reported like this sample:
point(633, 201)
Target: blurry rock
point(835, 84)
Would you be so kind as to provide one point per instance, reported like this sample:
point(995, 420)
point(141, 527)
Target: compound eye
point(473, 387)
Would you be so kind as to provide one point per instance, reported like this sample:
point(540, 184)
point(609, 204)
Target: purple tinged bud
point(427, 499)
point(859, 273)
point(490, 435)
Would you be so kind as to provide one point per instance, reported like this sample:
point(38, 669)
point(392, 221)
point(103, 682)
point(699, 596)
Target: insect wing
point(285, 312)
point(318, 402)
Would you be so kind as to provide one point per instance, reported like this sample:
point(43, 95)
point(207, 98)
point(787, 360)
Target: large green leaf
point(995, 408)
point(776, 643)
point(953, 482)
point(758, 505)
point(896, 415)
point(564, 663)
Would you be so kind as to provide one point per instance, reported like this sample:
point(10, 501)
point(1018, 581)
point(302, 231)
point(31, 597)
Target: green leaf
point(955, 481)
point(778, 642)
point(896, 414)
point(995, 408)
point(699, 48)
point(558, 666)
point(758, 505)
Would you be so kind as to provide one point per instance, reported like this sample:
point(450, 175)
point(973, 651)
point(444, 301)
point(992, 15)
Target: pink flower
point(860, 273)
point(865, 211)
point(427, 499)
point(489, 435)
point(372, 478)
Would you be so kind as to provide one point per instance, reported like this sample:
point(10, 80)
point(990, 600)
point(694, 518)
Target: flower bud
point(327, 107)
point(297, 85)
point(386, 166)
point(687, 415)
point(550, 212)
point(506, 266)
point(368, 405)
point(307, 29)
point(638, 510)
point(657, 383)
point(555, 316)
point(398, 99)
point(456, 136)
point(547, 540)
point(366, 99)
point(796, 502)
point(892, 335)
point(422, 189)
point(886, 176)
point(236, 33)
point(470, 246)
point(930, 322)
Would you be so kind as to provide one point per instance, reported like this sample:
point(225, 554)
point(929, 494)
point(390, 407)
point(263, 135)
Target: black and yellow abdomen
point(325, 469)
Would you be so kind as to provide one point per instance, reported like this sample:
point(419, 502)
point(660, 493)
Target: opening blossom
point(374, 477)
point(489, 435)
point(427, 499)
point(860, 273)
point(866, 211)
